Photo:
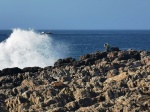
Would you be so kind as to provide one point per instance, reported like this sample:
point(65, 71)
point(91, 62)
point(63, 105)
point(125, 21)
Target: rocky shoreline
point(117, 81)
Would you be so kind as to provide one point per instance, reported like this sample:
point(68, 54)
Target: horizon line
point(79, 29)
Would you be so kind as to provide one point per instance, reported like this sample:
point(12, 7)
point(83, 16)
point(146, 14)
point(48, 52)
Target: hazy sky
point(75, 14)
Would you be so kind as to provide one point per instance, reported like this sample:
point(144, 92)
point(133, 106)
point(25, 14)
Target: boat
point(46, 33)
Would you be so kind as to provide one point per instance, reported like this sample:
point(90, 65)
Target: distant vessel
point(46, 33)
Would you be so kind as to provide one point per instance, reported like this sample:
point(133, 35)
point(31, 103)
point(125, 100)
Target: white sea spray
point(27, 48)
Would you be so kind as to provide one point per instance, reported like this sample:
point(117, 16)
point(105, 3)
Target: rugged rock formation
point(117, 81)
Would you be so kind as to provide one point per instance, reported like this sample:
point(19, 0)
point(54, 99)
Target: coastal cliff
point(117, 81)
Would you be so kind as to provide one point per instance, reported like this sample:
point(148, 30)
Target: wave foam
point(26, 48)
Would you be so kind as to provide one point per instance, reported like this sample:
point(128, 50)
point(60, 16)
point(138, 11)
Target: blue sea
point(88, 41)
point(67, 43)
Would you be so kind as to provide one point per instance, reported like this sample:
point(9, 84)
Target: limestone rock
point(115, 81)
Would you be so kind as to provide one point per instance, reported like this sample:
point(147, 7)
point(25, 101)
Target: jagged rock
point(72, 106)
point(58, 85)
point(14, 91)
point(96, 56)
point(84, 102)
point(31, 69)
point(114, 49)
point(112, 55)
point(116, 65)
point(58, 109)
point(123, 56)
point(81, 93)
point(48, 102)
point(112, 73)
point(135, 54)
point(62, 62)
point(2, 103)
point(65, 78)
point(26, 94)
point(85, 57)
point(146, 60)
point(109, 95)
point(22, 100)
point(100, 81)
point(48, 68)
point(11, 71)
point(89, 61)
point(78, 63)
point(51, 92)
point(117, 78)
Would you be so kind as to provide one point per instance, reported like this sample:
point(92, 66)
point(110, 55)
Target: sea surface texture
point(23, 48)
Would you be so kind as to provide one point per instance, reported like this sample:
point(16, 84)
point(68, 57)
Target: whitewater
point(28, 48)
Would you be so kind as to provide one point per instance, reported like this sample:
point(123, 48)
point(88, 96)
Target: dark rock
point(64, 62)
point(48, 68)
point(102, 98)
point(23, 89)
point(123, 56)
point(84, 102)
point(26, 94)
point(6, 79)
point(89, 61)
point(1, 73)
point(114, 49)
point(58, 63)
point(123, 84)
point(78, 63)
point(102, 79)
point(64, 99)
point(16, 82)
point(116, 65)
point(99, 55)
point(20, 77)
point(14, 92)
point(95, 56)
point(53, 79)
point(31, 69)
point(135, 55)
point(85, 57)
point(65, 78)
point(22, 100)
point(11, 71)
point(2, 97)
point(109, 95)
point(2, 103)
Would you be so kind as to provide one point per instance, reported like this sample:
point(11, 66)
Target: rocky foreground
point(117, 81)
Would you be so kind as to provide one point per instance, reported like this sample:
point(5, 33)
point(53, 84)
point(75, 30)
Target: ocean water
point(23, 48)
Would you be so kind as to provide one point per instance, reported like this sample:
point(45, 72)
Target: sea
point(27, 47)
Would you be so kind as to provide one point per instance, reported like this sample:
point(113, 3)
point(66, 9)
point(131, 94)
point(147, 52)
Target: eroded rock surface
point(117, 81)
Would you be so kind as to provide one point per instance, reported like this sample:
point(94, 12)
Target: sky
point(75, 14)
